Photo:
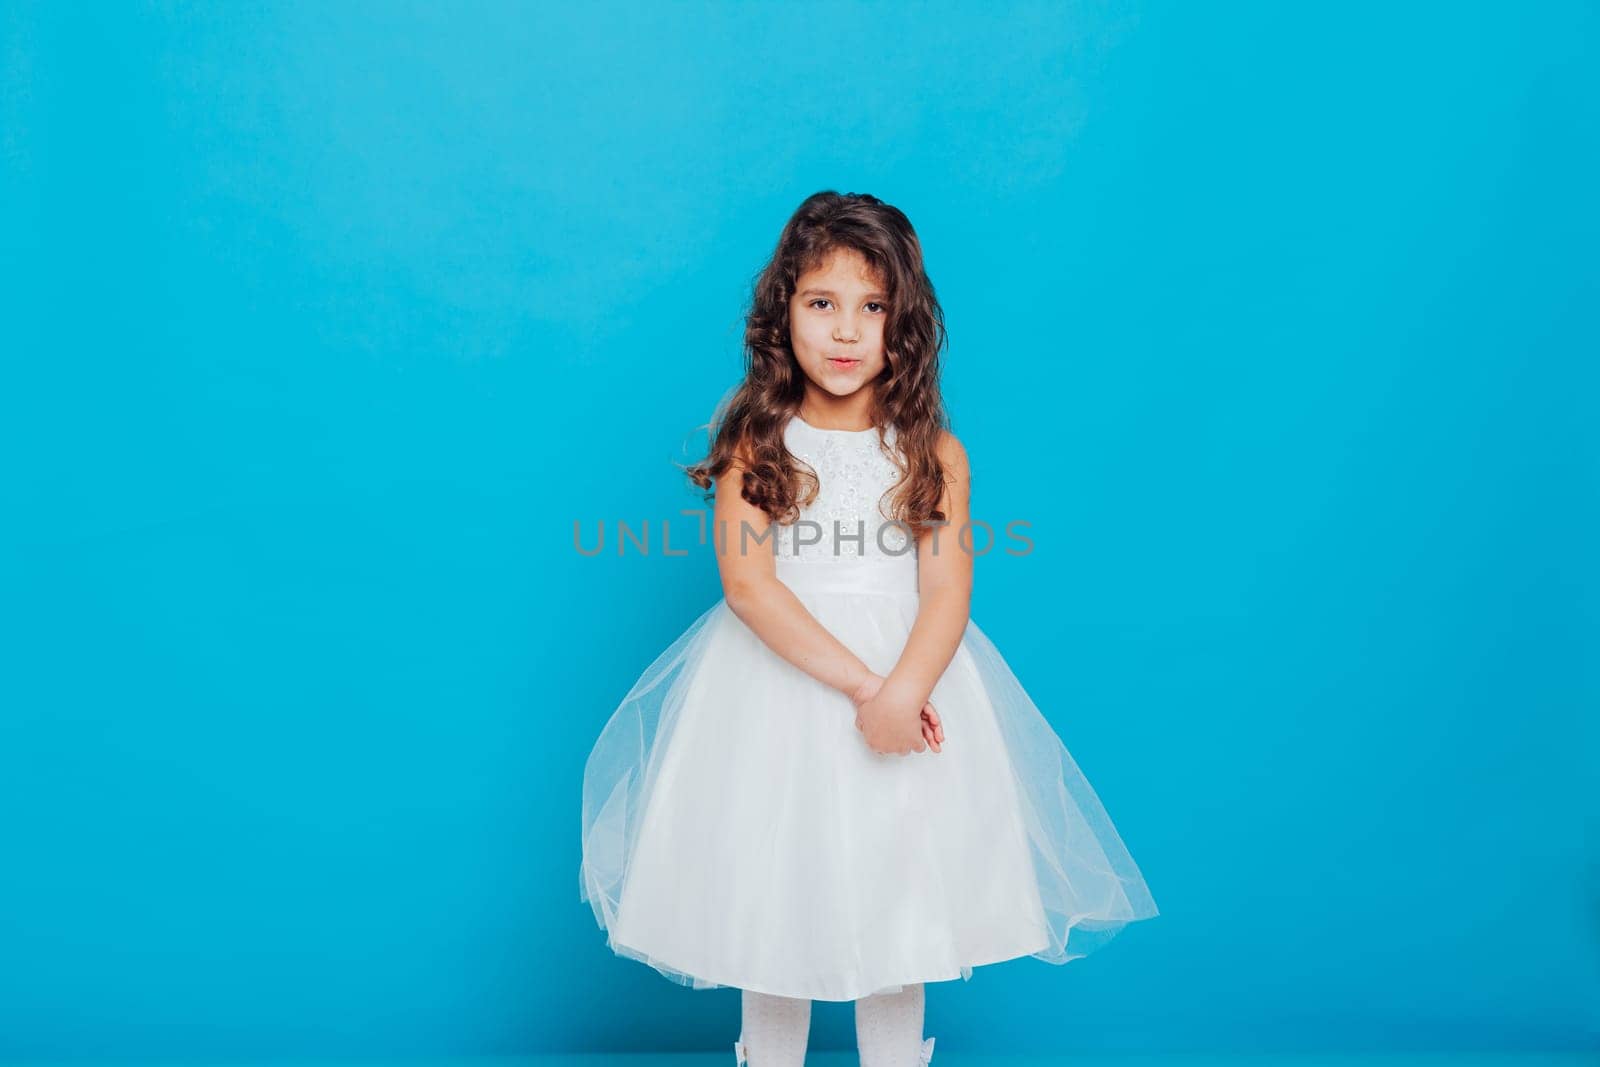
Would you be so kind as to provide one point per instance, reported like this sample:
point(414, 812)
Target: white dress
point(738, 831)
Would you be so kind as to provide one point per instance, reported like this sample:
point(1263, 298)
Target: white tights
point(888, 1030)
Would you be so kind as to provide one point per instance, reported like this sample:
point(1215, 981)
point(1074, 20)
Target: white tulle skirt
point(737, 830)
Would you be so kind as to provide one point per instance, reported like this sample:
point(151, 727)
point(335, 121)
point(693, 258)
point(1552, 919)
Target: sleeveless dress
point(738, 831)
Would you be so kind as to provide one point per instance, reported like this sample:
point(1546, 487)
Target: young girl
point(831, 786)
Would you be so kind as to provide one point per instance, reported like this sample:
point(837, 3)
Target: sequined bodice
point(851, 518)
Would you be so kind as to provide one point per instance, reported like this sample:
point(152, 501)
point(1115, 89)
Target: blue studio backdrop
point(325, 325)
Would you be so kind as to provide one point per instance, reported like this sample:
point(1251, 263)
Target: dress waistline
point(889, 575)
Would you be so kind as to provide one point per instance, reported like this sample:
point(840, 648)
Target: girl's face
point(836, 319)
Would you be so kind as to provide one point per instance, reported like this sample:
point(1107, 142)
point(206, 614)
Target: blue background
point(324, 324)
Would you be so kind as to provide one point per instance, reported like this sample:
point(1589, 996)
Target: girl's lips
point(844, 362)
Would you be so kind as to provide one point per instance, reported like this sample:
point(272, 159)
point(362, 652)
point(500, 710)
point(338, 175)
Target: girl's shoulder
point(952, 454)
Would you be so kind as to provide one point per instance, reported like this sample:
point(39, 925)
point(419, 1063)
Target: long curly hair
point(905, 395)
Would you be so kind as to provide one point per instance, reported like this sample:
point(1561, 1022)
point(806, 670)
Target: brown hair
point(906, 395)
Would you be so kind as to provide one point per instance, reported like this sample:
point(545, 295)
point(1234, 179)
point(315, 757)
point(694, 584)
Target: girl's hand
point(871, 717)
point(932, 725)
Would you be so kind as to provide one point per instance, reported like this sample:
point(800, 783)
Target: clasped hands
point(893, 725)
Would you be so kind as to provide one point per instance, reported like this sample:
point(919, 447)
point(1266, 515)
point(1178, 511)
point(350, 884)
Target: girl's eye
point(870, 303)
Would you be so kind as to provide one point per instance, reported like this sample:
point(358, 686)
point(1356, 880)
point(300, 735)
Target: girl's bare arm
point(742, 535)
point(944, 586)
